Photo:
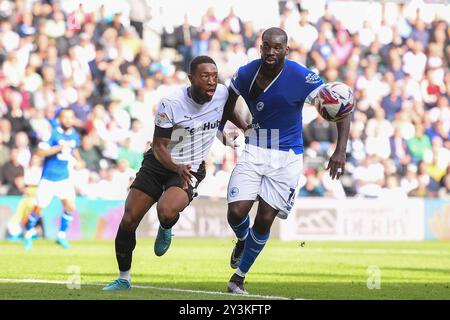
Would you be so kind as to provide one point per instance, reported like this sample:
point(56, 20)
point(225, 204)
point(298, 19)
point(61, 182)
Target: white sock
point(125, 275)
point(61, 234)
point(30, 233)
point(240, 273)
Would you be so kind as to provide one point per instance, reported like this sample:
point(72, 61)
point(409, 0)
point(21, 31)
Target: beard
point(272, 64)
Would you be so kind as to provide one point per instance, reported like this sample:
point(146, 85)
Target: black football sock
point(169, 224)
point(125, 244)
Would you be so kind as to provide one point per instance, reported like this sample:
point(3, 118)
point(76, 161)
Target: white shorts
point(271, 174)
point(64, 190)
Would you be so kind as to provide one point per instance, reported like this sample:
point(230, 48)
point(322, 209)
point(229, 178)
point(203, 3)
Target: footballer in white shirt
point(186, 125)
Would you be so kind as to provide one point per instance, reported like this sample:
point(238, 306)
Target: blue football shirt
point(56, 167)
point(277, 111)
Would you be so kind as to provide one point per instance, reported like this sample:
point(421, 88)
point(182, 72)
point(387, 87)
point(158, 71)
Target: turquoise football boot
point(162, 241)
point(118, 284)
point(63, 243)
point(28, 243)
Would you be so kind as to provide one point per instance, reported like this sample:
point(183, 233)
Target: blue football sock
point(241, 230)
point(33, 219)
point(253, 246)
point(66, 220)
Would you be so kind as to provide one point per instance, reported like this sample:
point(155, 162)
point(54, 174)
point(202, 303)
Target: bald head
point(274, 49)
point(275, 32)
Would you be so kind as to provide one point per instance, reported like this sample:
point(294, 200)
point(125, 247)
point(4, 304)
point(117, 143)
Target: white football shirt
point(194, 125)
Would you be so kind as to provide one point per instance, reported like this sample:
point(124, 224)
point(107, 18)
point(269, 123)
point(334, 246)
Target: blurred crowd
point(100, 66)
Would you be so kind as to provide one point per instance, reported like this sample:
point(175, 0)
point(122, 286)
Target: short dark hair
point(275, 32)
point(61, 110)
point(199, 60)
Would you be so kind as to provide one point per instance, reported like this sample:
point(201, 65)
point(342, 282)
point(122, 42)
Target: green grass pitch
point(196, 268)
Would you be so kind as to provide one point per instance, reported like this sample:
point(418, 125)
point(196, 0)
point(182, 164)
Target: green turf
point(319, 270)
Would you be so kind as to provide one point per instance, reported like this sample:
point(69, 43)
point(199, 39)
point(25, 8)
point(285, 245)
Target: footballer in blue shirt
point(59, 152)
point(269, 168)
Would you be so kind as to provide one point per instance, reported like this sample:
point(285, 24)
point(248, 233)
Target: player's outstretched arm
point(338, 159)
point(48, 152)
point(228, 139)
point(161, 140)
point(230, 113)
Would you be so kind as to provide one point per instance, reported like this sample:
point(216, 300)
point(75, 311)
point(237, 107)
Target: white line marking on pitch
point(151, 287)
point(378, 251)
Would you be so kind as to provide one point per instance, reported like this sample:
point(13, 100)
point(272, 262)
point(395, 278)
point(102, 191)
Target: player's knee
point(263, 223)
point(129, 222)
point(236, 213)
point(69, 208)
point(166, 213)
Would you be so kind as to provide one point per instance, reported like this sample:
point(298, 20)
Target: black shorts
point(153, 178)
